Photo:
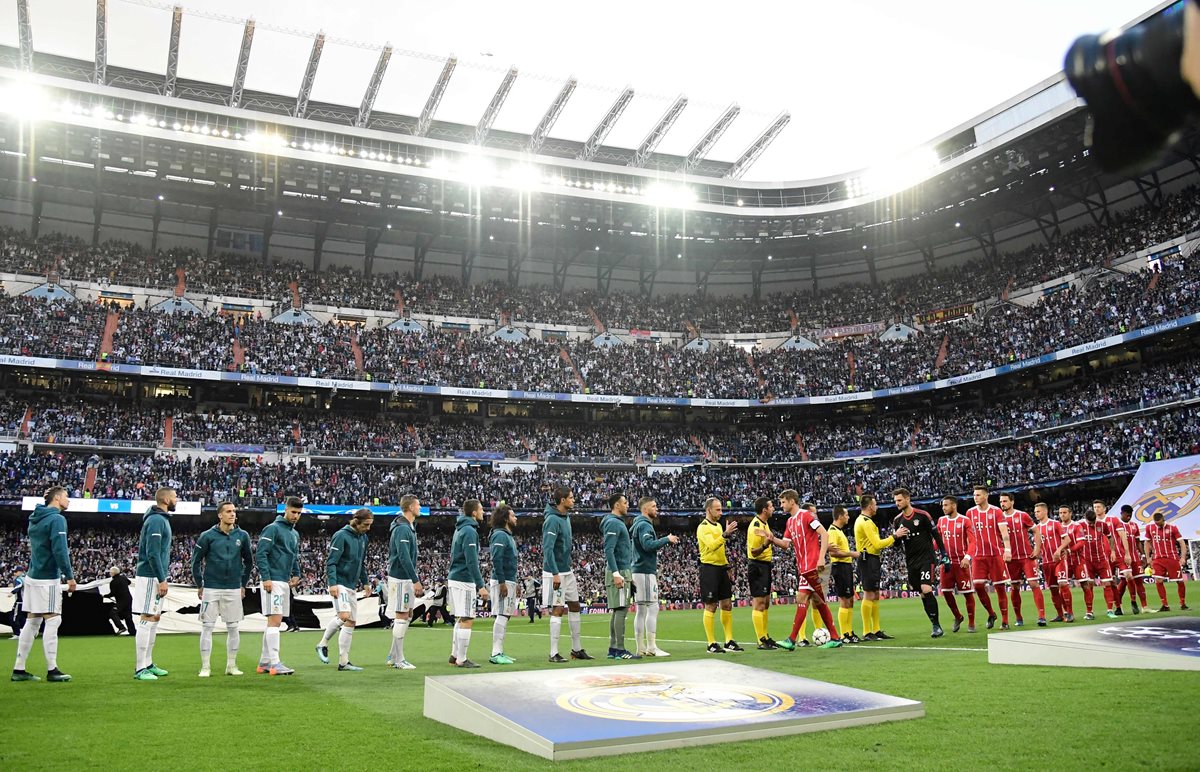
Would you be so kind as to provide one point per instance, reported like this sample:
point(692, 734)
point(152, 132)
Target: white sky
point(865, 81)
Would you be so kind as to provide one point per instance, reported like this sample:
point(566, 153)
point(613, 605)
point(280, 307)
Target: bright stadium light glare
point(524, 176)
point(899, 174)
point(477, 171)
point(670, 196)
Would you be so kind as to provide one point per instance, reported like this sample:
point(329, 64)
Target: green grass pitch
point(979, 716)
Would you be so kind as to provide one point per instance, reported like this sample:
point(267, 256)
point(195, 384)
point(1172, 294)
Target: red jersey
point(1053, 532)
point(1019, 524)
point(985, 527)
point(955, 533)
point(803, 529)
point(1120, 534)
point(1092, 539)
point(1163, 540)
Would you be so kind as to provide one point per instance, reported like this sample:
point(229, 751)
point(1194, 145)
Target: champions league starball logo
point(1176, 495)
point(1151, 634)
point(660, 698)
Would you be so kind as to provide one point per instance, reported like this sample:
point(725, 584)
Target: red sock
point(952, 604)
point(1110, 598)
point(1182, 593)
point(970, 609)
point(1040, 601)
point(798, 622)
point(1067, 601)
point(1056, 599)
point(1089, 594)
point(827, 615)
point(1119, 592)
point(982, 592)
point(1162, 592)
point(1140, 585)
point(1015, 589)
point(1002, 599)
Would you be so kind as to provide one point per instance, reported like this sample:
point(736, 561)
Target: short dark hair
point(1127, 508)
point(1098, 501)
point(950, 498)
point(500, 516)
point(644, 500)
point(561, 492)
point(613, 499)
point(983, 488)
point(865, 500)
point(790, 494)
point(470, 506)
point(838, 511)
point(1008, 496)
point(1158, 517)
point(760, 504)
point(1043, 505)
point(224, 504)
point(902, 492)
point(53, 493)
point(293, 502)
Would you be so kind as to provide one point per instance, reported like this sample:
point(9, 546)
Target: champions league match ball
point(820, 636)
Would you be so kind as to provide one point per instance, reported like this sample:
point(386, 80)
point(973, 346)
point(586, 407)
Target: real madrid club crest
point(1175, 496)
point(661, 698)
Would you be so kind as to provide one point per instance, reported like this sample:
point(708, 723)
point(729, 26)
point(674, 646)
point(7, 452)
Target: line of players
point(989, 545)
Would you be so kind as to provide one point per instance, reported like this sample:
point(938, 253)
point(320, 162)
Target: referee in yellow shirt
point(716, 577)
point(758, 572)
point(841, 569)
point(870, 567)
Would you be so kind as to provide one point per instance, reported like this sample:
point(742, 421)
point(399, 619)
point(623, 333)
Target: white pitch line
point(864, 646)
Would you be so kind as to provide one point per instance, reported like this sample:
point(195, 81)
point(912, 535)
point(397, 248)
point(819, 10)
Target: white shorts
point(145, 596)
point(503, 607)
point(346, 602)
point(277, 602)
point(461, 599)
point(400, 597)
point(645, 588)
point(224, 603)
point(567, 592)
point(42, 596)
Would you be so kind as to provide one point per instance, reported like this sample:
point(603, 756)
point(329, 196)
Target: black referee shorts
point(714, 583)
point(758, 575)
point(842, 575)
point(870, 572)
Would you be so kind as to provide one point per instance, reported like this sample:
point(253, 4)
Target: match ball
point(821, 636)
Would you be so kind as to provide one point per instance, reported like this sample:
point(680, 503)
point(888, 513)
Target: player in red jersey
point(1023, 565)
point(1127, 557)
point(1067, 562)
point(955, 533)
point(1137, 583)
point(991, 551)
point(1162, 539)
point(1095, 553)
point(808, 538)
point(1055, 572)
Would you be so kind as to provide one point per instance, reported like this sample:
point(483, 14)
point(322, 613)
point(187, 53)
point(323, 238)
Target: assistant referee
point(870, 566)
point(841, 568)
point(716, 577)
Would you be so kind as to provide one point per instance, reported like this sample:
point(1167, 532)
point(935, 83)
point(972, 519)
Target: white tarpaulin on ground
point(1171, 487)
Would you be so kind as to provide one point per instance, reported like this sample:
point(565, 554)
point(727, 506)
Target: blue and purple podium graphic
point(1147, 642)
point(600, 711)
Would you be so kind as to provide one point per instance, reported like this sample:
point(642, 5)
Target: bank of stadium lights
point(894, 176)
point(23, 99)
point(670, 196)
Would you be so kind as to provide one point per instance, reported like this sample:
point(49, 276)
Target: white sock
point(463, 636)
point(206, 633)
point(50, 641)
point(652, 627)
point(264, 655)
point(573, 622)
point(331, 630)
point(233, 639)
point(640, 618)
point(555, 633)
point(25, 645)
point(498, 631)
point(271, 640)
point(399, 628)
point(344, 644)
point(153, 638)
point(142, 643)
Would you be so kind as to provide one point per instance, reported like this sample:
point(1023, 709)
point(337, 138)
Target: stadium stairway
point(110, 327)
point(700, 446)
point(793, 320)
point(294, 286)
point(169, 432)
point(800, 447)
point(691, 328)
point(358, 353)
point(89, 479)
point(583, 387)
point(296, 433)
point(505, 319)
point(943, 352)
point(25, 421)
point(916, 431)
point(399, 296)
point(762, 382)
point(601, 328)
point(180, 282)
point(239, 354)
point(851, 365)
point(1008, 288)
point(1154, 277)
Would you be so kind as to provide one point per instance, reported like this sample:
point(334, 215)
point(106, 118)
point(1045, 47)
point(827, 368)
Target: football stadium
point(830, 390)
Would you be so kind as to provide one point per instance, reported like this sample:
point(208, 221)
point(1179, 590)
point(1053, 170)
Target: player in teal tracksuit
point(465, 580)
point(560, 590)
point(618, 580)
point(646, 545)
point(346, 571)
point(221, 565)
point(403, 584)
point(49, 564)
point(150, 583)
point(503, 548)
point(278, 561)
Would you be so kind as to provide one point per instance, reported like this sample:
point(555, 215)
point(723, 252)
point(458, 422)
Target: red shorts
point(1093, 570)
point(1022, 568)
point(1121, 566)
point(989, 568)
point(955, 578)
point(810, 583)
point(1056, 571)
point(1167, 568)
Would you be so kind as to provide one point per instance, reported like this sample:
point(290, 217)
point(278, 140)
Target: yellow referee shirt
point(754, 541)
point(866, 536)
point(837, 538)
point(712, 543)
